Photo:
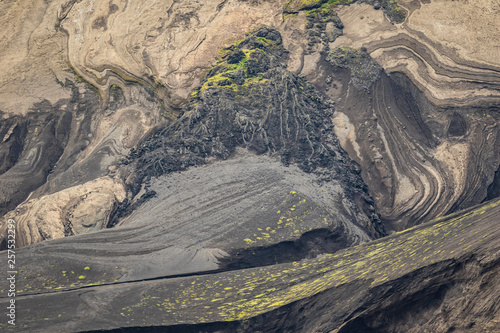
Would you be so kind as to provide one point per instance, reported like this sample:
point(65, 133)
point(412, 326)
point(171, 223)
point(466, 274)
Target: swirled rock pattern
point(219, 136)
point(436, 95)
point(426, 131)
point(83, 85)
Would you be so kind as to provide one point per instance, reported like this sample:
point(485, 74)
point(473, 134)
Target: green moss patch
point(240, 66)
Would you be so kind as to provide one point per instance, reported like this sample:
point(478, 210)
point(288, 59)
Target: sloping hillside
point(439, 276)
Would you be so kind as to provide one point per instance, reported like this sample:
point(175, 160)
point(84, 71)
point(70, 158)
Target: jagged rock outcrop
point(300, 197)
point(250, 100)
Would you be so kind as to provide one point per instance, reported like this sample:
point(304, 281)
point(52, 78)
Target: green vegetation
point(393, 11)
point(390, 7)
point(290, 224)
point(294, 6)
point(310, 3)
point(232, 72)
point(339, 2)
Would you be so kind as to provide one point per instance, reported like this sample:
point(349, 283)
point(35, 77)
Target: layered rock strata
point(64, 132)
point(424, 126)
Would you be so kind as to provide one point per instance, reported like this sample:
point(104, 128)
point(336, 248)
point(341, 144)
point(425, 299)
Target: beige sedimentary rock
point(449, 49)
point(423, 156)
point(152, 54)
point(75, 210)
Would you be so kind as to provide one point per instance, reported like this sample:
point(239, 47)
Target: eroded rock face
point(214, 145)
point(417, 158)
point(417, 127)
point(66, 145)
point(250, 101)
point(82, 86)
point(443, 113)
point(75, 210)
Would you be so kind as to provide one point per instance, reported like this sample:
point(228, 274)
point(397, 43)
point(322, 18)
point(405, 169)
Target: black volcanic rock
point(272, 111)
point(269, 110)
point(182, 167)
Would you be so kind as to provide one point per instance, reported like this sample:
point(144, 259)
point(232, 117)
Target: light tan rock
point(76, 210)
point(446, 47)
point(159, 41)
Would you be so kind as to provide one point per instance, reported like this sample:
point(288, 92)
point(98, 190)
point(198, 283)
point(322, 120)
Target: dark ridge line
point(223, 262)
point(229, 326)
point(164, 277)
point(476, 102)
point(215, 326)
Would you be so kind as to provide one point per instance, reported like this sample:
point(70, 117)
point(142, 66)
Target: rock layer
point(232, 158)
point(141, 71)
point(74, 210)
point(425, 133)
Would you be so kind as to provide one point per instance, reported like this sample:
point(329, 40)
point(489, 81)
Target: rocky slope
point(427, 128)
point(94, 84)
point(213, 138)
point(90, 96)
point(418, 127)
point(437, 277)
point(301, 199)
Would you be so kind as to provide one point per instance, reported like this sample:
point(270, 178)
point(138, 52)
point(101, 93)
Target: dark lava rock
point(458, 125)
point(272, 111)
point(235, 57)
point(258, 62)
point(364, 70)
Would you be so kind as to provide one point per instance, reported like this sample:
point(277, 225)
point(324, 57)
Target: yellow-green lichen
point(241, 295)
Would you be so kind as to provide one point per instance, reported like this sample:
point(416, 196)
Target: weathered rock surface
point(250, 100)
point(300, 198)
point(215, 146)
point(75, 210)
point(57, 130)
point(141, 65)
point(425, 130)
